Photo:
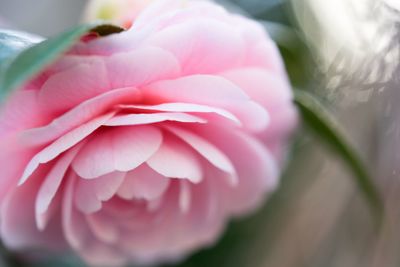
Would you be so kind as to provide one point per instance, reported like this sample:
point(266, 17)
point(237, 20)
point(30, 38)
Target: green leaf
point(12, 42)
point(34, 59)
point(327, 128)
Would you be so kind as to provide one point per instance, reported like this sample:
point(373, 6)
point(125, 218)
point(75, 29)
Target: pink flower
point(139, 146)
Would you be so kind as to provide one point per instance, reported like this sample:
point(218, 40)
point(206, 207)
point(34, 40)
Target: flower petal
point(71, 87)
point(141, 67)
point(62, 144)
point(140, 119)
point(184, 107)
point(51, 184)
point(117, 149)
point(143, 183)
point(176, 159)
point(210, 152)
point(78, 115)
point(212, 91)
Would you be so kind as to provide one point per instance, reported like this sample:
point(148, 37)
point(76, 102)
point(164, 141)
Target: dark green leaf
point(32, 60)
point(327, 128)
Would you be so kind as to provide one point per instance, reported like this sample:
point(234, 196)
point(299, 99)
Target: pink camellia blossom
point(139, 146)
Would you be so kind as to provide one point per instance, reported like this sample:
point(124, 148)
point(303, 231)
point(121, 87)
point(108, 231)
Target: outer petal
point(213, 91)
point(51, 185)
point(15, 117)
point(141, 67)
point(256, 168)
point(62, 144)
point(79, 115)
point(69, 88)
point(201, 45)
point(18, 227)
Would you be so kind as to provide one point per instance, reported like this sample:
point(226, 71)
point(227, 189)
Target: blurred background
point(347, 53)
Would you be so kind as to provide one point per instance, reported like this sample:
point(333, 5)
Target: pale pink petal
point(13, 161)
point(99, 254)
point(261, 85)
point(14, 116)
point(52, 212)
point(201, 45)
point(275, 95)
point(85, 197)
point(212, 91)
point(80, 114)
point(66, 89)
point(17, 225)
point(51, 184)
point(117, 149)
point(209, 151)
point(163, 13)
point(74, 227)
point(141, 67)
point(265, 55)
point(184, 196)
point(184, 107)
point(142, 119)
point(106, 186)
point(62, 144)
point(143, 183)
point(256, 168)
point(103, 227)
point(176, 159)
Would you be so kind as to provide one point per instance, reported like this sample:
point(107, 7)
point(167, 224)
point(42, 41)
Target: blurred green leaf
point(12, 42)
point(30, 61)
point(324, 125)
point(33, 59)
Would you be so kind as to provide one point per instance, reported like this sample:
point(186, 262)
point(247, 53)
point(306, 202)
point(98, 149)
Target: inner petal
point(117, 149)
point(143, 183)
point(177, 160)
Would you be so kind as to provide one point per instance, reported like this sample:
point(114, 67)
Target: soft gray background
point(43, 17)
